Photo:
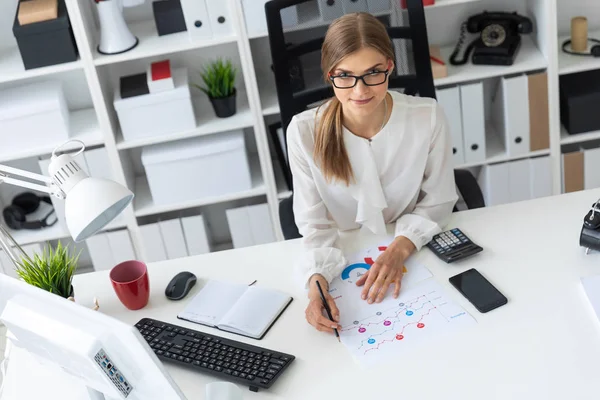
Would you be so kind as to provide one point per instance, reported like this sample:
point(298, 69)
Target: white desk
point(544, 344)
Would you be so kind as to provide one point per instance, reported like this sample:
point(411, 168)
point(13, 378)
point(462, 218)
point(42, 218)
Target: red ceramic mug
point(131, 284)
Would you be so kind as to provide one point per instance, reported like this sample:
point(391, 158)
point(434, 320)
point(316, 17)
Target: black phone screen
point(478, 290)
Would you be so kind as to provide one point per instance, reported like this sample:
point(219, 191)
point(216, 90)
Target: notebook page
point(255, 311)
point(212, 302)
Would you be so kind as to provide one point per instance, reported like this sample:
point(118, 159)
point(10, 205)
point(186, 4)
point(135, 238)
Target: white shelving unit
point(94, 121)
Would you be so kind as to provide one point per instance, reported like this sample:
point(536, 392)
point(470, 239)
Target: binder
point(511, 114)
point(196, 17)
point(540, 172)
point(494, 183)
point(100, 252)
point(573, 169)
point(239, 227)
point(172, 236)
point(121, 246)
point(519, 180)
point(473, 119)
point(449, 100)
point(378, 6)
point(260, 224)
point(153, 243)
point(194, 231)
point(539, 119)
point(6, 266)
point(591, 168)
point(351, 6)
point(219, 13)
point(331, 9)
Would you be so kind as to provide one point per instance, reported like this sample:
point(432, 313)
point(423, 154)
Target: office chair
point(289, 51)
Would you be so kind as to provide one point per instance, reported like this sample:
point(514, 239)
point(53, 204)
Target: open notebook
point(246, 310)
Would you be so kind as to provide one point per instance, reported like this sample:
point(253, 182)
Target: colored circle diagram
point(352, 267)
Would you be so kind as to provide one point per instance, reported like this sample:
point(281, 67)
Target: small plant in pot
point(219, 85)
point(52, 270)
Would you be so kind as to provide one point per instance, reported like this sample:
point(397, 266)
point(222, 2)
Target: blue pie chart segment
point(349, 268)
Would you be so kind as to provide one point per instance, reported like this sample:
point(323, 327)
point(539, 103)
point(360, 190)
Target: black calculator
point(453, 245)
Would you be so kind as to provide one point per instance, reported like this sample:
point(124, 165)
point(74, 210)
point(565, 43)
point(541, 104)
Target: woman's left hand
point(387, 269)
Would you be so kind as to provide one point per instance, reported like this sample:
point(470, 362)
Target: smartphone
point(478, 290)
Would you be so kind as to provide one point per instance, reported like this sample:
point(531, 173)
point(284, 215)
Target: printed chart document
point(237, 308)
point(382, 331)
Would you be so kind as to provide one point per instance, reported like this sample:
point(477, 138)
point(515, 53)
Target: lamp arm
point(49, 186)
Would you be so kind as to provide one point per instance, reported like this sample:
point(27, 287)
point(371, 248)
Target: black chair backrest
point(285, 56)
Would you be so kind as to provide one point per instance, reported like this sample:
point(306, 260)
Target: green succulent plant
point(219, 79)
point(52, 270)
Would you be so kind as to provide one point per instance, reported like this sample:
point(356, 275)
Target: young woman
point(368, 157)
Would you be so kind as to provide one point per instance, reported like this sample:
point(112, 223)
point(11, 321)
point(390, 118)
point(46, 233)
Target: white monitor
point(108, 356)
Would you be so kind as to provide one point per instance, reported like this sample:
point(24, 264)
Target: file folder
point(260, 224)
point(351, 6)
point(539, 119)
point(239, 227)
point(473, 118)
point(197, 20)
point(194, 231)
point(591, 168)
point(330, 9)
point(153, 243)
point(573, 169)
point(511, 114)
point(121, 246)
point(221, 23)
point(519, 180)
point(540, 177)
point(100, 252)
point(449, 100)
point(494, 183)
point(378, 6)
point(172, 235)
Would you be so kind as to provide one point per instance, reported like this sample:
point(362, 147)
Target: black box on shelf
point(580, 101)
point(48, 42)
point(168, 16)
point(134, 85)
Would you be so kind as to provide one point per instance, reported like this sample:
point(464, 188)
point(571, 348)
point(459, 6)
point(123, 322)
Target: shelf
point(144, 205)
point(207, 123)
point(496, 151)
point(26, 236)
point(268, 99)
point(151, 44)
point(311, 22)
point(282, 188)
point(444, 3)
point(528, 59)
point(565, 138)
point(84, 126)
point(569, 63)
point(12, 68)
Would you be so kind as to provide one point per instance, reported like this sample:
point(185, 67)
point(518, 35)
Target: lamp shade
point(93, 203)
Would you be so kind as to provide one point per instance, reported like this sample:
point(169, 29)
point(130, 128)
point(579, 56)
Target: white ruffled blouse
point(404, 174)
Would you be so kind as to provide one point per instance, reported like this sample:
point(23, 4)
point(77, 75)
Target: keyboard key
point(243, 375)
point(187, 360)
point(271, 371)
point(264, 381)
point(276, 361)
point(176, 351)
point(235, 373)
point(196, 363)
point(269, 376)
point(250, 377)
point(275, 367)
point(180, 358)
point(218, 369)
point(228, 371)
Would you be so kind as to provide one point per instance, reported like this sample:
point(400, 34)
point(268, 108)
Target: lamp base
point(137, 41)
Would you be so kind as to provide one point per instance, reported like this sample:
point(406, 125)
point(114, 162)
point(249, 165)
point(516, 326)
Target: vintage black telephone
point(499, 40)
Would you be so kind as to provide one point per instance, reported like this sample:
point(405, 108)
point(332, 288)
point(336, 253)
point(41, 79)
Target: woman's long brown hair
point(345, 36)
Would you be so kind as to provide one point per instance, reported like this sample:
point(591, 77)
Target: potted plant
point(52, 270)
point(219, 85)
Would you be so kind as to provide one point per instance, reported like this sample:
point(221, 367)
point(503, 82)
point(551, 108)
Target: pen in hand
point(327, 309)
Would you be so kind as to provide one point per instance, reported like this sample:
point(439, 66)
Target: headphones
point(594, 50)
point(23, 204)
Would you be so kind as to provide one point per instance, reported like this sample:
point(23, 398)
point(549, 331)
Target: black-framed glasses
point(374, 78)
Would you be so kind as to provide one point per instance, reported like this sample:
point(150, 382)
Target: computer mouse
point(180, 285)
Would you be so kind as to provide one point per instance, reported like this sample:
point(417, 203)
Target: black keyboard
point(227, 359)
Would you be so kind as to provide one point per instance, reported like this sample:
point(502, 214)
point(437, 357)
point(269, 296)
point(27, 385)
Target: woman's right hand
point(315, 312)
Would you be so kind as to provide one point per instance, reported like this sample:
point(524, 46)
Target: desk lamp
point(90, 203)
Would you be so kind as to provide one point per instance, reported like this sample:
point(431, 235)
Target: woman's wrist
point(402, 246)
point(312, 286)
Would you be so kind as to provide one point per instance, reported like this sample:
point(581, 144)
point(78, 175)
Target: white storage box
point(33, 114)
point(197, 168)
point(155, 114)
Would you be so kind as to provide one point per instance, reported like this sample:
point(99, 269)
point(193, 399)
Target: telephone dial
point(499, 38)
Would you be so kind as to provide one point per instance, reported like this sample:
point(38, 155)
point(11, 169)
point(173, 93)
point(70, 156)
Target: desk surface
point(544, 344)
